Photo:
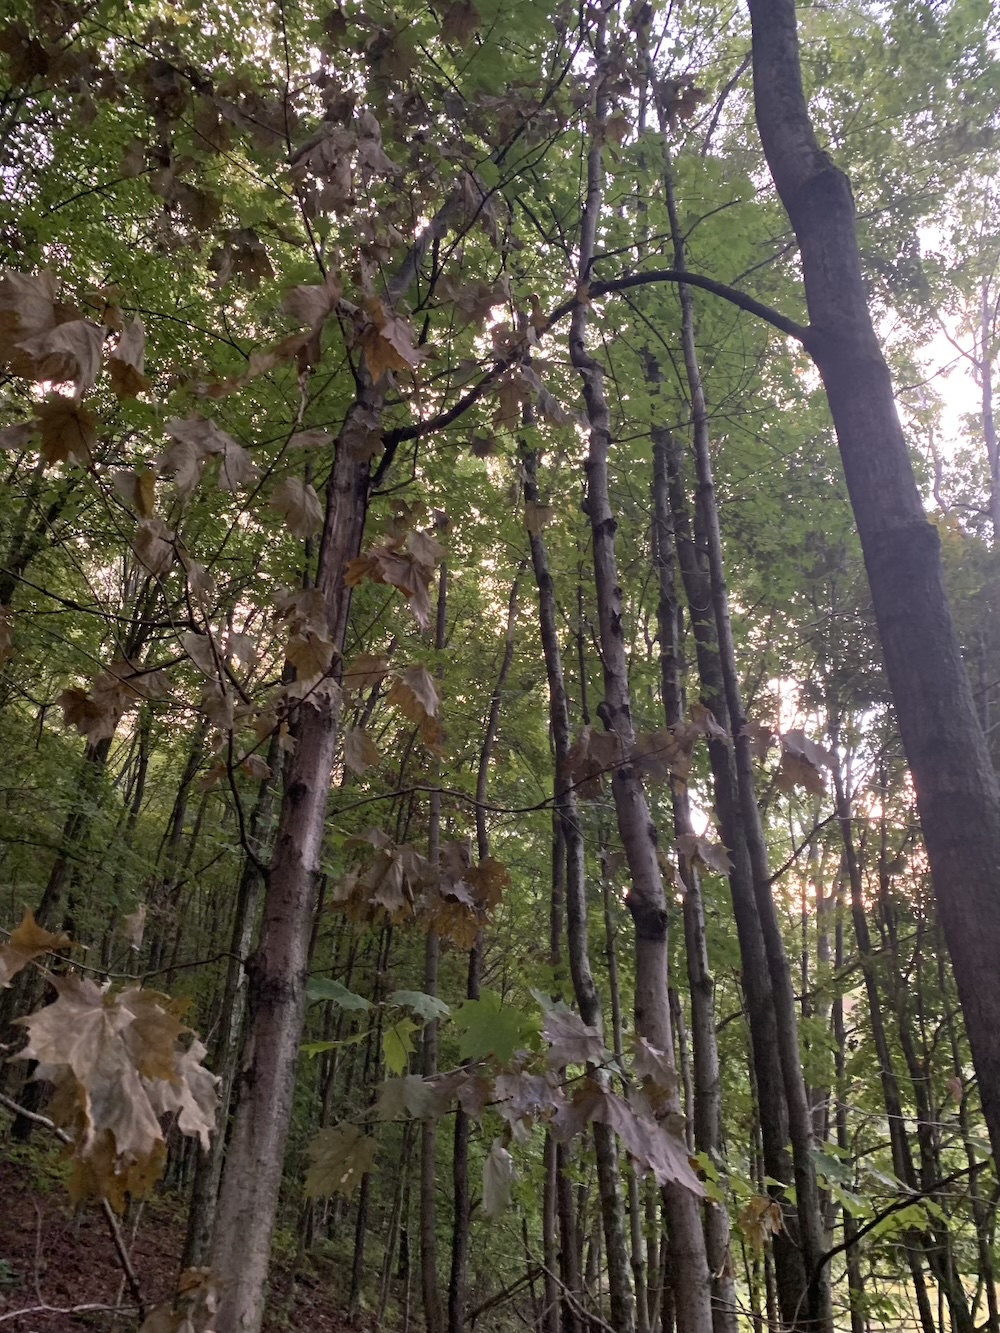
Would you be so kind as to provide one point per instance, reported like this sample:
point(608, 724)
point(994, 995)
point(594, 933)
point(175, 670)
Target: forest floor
point(52, 1255)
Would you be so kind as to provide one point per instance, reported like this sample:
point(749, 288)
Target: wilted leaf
point(16, 437)
point(153, 544)
point(309, 439)
point(657, 1066)
point(312, 305)
point(364, 671)
point(571, 1041)
point(200, 649)
point(537, 516)
point(299, 505)
point(134, 926)
point(712, 855)
point(410, 1095)
point(117, 1063)
point(68, 353)
point(760, 1219)
point(499, 1175)
point(360, 753)
point(236, 469)
point(339, 1157)
point(27, 942)
point(137, 489)
point(126, 361)
point(414, 693)
point(68, 430)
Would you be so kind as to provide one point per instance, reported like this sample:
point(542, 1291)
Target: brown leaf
point(310, 653)
point(571, 1041)
point(26, 943)
point(200, 649)
point(712, 855)
point(94, 718)
point(137, 489)
point(299, 505)
point(760, 1219)
point(68, 430)
point(364, 671)
point(133, 927)
point(117, 1063)
point(237, 469)
point(414, 693)
point(16, 437)
point(537, 517)
point(360, 753)
point(153, 544)
point(68, 353)
point(126, 361)
point(460, 22)
point(313, 305)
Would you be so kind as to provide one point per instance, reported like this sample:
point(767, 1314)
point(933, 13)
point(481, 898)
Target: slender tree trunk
point(957, 793)
point(458, 1280)
point(208, 1172)
point(252, 1177)
point(646, 900)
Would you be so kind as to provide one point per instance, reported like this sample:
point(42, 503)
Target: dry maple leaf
point(126, 361)
point(153, 545)
point(299, 505)
point(26, 943)
point(339, 1157)
point(68, 353)
point(118, 1063)
point(68, 430)
point(360, 753)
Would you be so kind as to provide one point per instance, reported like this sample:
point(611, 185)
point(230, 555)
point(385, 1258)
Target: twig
point(71, 1309)
point(109, 1216)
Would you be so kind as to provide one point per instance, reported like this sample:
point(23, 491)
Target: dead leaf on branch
point(118, 1063)
point(571, 1041)
point(68, 430)
point(360, 753)
point(192, 1309)
point(69, 353)
point(499, 1174)
point(339, 1156)
point(154, 546)
point(387, 342)
point(137, 489)
point(126, 361)
point(299, 505)
point(26, 943)
point(759, 1220)
point(712, 855)
point(802, 763)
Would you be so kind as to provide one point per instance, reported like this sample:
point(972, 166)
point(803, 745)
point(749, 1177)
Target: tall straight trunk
point(958, 797)
point(578, 949)
point(985, 369)
point(852, 1256)
point(790, 1272)
point(208, 1172)
point(902, 1157)
point(707, 1116)
point(817, 1312)
point(458, 1279)
point(252, 1176)
point(430, 1290)
point(646, 900)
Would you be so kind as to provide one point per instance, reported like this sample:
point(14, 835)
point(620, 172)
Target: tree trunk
point(957, 794)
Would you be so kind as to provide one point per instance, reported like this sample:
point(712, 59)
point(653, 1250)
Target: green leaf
point(427, 1007)
point(397, 1045)
point(489, 1027)
point(339, 1157)
point(325, 988)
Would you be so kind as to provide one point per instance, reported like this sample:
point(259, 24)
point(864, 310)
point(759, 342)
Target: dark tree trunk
point(957, 793)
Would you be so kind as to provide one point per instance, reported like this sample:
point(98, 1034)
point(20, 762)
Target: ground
point(54, 1255)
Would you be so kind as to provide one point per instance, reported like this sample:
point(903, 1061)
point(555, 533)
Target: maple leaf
point(537, 517)
point(364, 671)
point(360, 753)
point(339, 1156)
point(309, 439)
point(218, 705)
point(27, 308)
point(16, 437)
point(802, 762)
point(411, 1096)
point(299, 505)
point(117, 1064)
point(759, 1219)
point(712, 855)
point(236, 468)
point(387, 342)
point(311, 653)
point(414, 693)
point(199, 647)
point(68, 353)
point(93, 717)
point(68, 430)
point(313, 305)
point(27, 942)
point(427, 1007)
point(489, 1027)
point(137, 489)
point(153, 545)
point(524, 1098)
point(571, 1041)
point(126, 361)
point(499, 1174)
point(656, 1065)
point(592, 755)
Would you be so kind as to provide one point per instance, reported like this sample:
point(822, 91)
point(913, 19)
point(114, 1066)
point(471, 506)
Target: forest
point(499, 666)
